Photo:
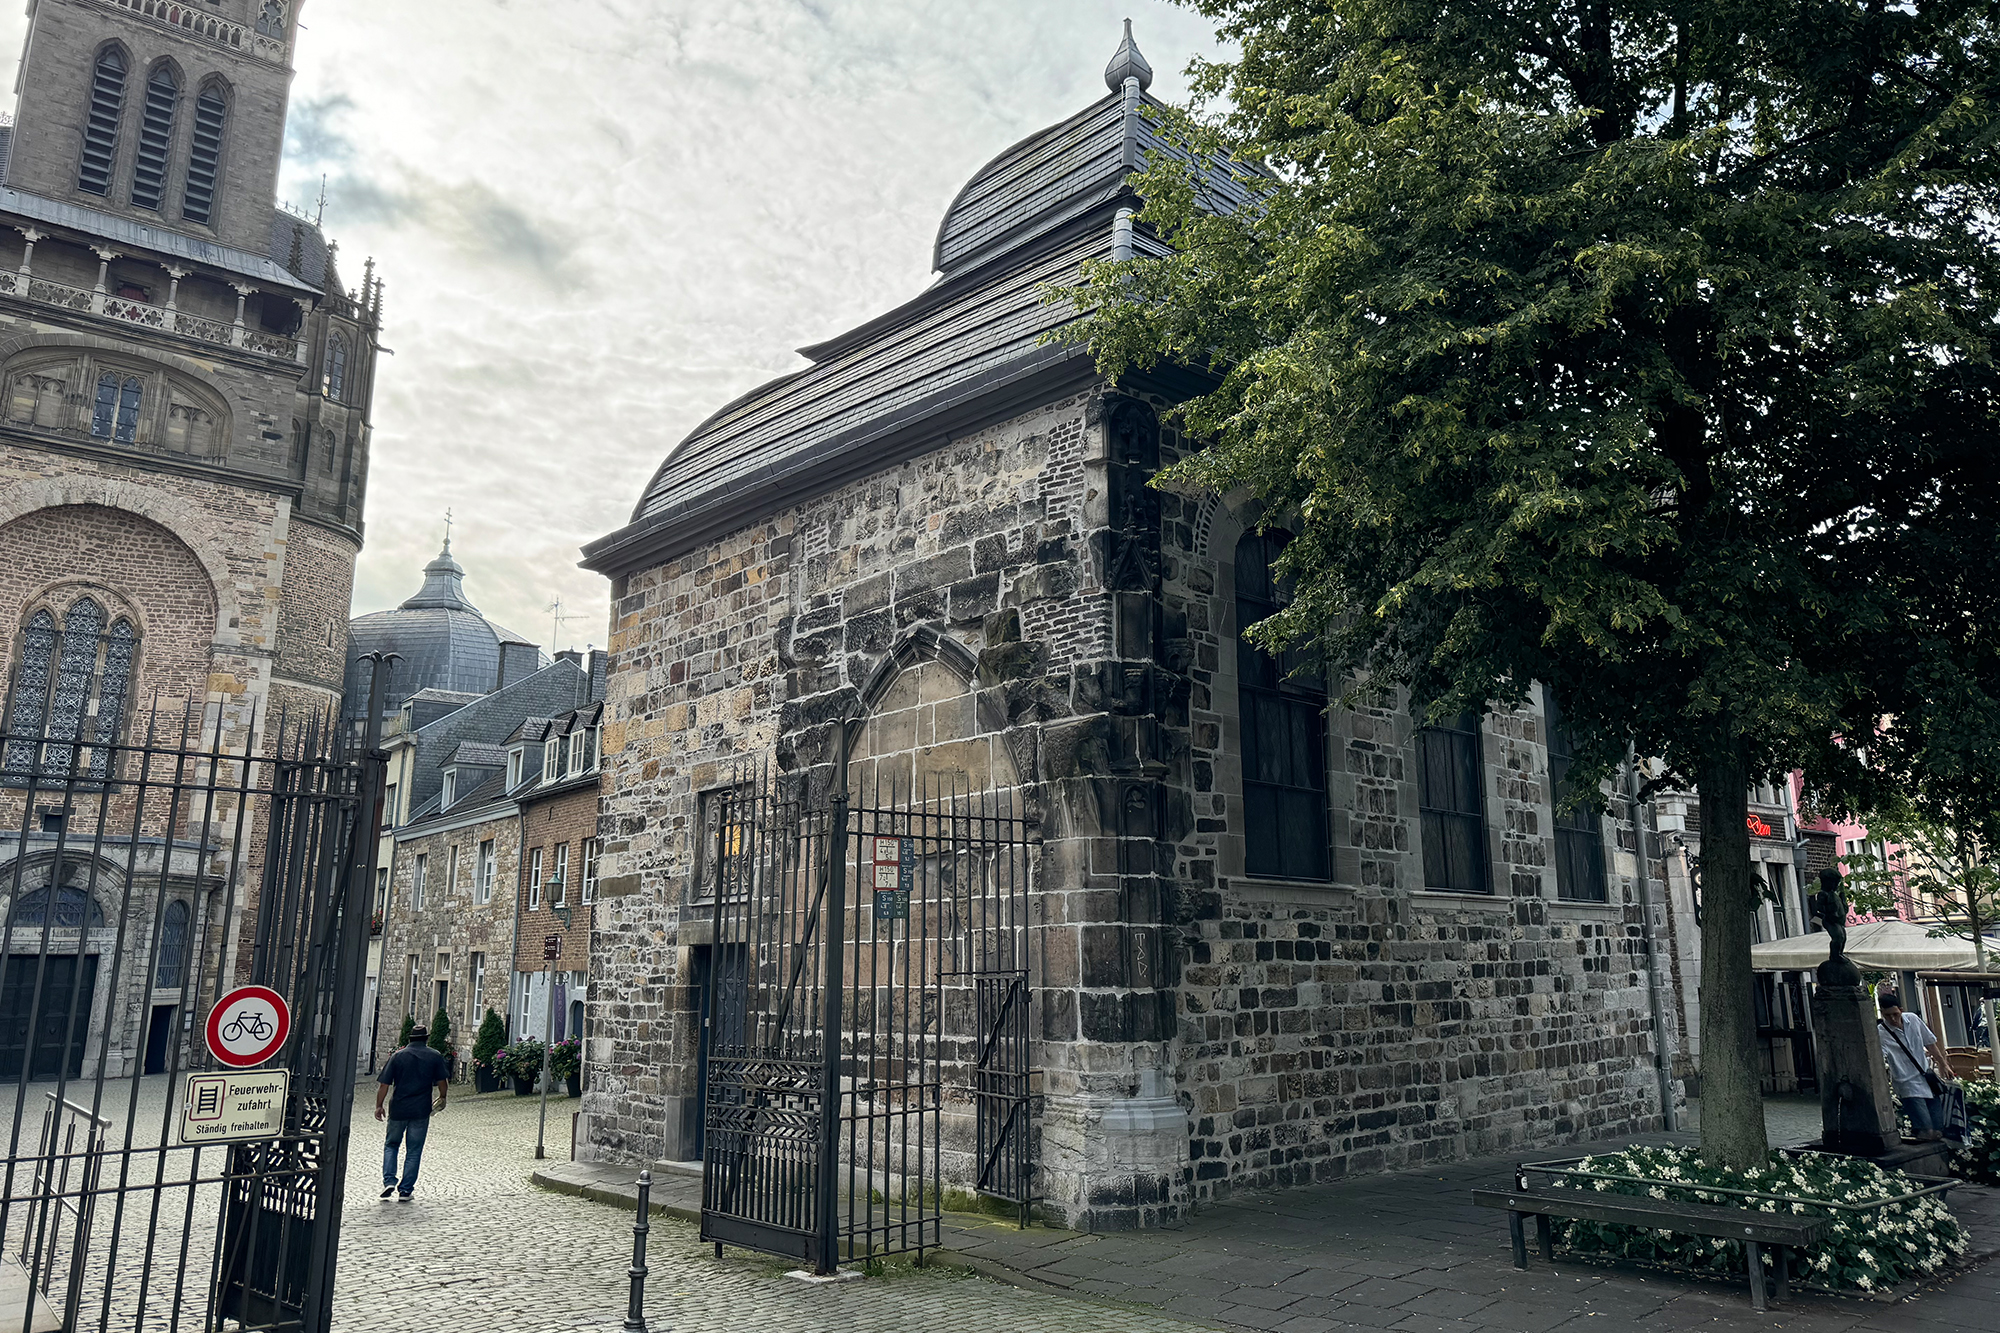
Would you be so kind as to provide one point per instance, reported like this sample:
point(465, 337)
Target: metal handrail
point(1563, 1168)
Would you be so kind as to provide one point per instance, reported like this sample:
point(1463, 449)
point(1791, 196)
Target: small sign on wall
point(894, 862)
point(234, 1105)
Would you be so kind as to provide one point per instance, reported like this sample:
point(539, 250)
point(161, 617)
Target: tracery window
point(271, 21)
point(211, 109)
point(172, 967)
point(73, 908)
point(156, 135)
point(335, 375)
point(100, 131)
point(1579, 832)
point(1451, 805)
point(1281, 702)
point(70, 693)
point(116, 413)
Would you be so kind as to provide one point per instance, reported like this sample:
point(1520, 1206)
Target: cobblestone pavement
point(1408, 1251)
point(481, 1250)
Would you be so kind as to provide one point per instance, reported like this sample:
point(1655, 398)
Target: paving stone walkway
point(1406, 1251)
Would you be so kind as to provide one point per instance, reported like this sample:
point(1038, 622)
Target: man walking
point(1906, 1040)
point(413, 1072)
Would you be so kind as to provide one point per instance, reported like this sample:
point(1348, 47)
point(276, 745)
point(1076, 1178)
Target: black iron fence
point(148, 867)
point(866, 1014)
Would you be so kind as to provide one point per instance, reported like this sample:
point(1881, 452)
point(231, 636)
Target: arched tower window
point(172, 967)
point(156, 137)
point(271, 19)
point(335, 376)
point(100, 131)
point(74, 908)
point(1281, 703)
point(211, 109)
point(71, 692)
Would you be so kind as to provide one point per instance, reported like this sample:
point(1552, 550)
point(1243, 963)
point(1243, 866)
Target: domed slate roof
point(443, 641)
point(966, 352)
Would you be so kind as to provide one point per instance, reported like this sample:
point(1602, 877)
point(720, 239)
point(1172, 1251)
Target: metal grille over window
point(1282, 703)
point(73, 685)
point(156, 135)
point(204, 156)
point(1450, 804)
point(100, 133)
point(27, 711)
point(1579, 830)
point(173, 948)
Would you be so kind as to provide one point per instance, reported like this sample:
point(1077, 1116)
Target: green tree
point(1617, 346)
point(441, 1033)
point(409, 1026)
point(492, 1035)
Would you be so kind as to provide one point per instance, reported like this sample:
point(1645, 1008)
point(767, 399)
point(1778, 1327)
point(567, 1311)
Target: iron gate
point(142, 877)
point(867, 1016)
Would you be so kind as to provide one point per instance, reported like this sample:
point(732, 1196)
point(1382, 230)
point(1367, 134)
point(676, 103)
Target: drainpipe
point(1660, 1066)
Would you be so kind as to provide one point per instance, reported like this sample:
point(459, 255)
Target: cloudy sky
point(599, 220)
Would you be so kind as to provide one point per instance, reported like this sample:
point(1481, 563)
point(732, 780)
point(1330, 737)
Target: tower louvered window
point(156, 137)
point(205, 157)
point(100, 134)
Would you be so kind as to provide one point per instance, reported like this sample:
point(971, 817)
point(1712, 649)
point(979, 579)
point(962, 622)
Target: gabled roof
point(477, 754)
point(969, 351)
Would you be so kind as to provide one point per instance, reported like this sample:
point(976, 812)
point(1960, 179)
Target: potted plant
point(486, 1046)
point(524, 1064)
point(375, 923)
point(566, 1063)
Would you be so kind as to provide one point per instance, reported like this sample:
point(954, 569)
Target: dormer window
point(579, 750)
point(517, 759)
point(450, 788)
point(551, 758)
point(596, 748)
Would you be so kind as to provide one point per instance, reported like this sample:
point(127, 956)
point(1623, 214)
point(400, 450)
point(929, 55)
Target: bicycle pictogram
point(253, 1025)
point(248, 1026)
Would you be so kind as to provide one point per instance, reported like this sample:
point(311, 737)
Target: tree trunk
point(1972, 861)
point(1732, 1107)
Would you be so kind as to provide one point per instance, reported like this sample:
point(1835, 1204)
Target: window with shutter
point(211, 109)
point(156, 137)
point(100, 131)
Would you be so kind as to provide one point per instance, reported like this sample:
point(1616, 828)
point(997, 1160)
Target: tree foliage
point(1640, 349)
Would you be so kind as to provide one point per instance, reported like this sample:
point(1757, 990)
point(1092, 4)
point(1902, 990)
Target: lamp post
point(380, 667)
point(551, 950)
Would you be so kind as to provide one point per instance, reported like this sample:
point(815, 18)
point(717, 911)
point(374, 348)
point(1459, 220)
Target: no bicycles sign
point(248, 1025)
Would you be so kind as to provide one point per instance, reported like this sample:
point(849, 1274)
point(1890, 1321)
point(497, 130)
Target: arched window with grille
point(73, 908)
point(156, 137)
point(335, 377)
point(100, 131)
point(1281, 703)
point(72, 690)
point(211, 110)
point(172, 966)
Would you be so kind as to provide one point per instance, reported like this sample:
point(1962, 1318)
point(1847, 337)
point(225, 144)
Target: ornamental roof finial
point(1127, 63)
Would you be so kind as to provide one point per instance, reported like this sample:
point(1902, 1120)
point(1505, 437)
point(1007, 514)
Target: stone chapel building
point(1275, 944)
point(185, 384)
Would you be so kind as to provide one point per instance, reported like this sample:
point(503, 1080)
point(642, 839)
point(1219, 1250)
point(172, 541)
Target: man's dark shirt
point(413, 1071)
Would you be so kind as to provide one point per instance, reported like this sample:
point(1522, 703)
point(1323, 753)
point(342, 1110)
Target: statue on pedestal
point(1856, 1115)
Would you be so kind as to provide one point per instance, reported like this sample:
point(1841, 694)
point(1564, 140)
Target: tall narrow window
point(156, 137)
point(476, 977)
point(535, 880)
point(100, 131)
point(561, 876)
point(204, 155)
point(172, 966)
point(114, 687)
point(1450, 805)
point(418, 873)
point(76, 665)
point(1579, 832)
point(1282, 706)
point(410, 992)
point(451, 872)
point(336, 367)
point(104, 413)
point(589, 871)
point(485, 872)
point(129, 394)
point(27, 710)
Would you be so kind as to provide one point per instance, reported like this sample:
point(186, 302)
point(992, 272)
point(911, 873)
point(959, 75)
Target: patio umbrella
point(1880, 946)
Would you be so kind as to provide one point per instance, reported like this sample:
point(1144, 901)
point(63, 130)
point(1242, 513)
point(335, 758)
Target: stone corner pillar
point(1856, 1114)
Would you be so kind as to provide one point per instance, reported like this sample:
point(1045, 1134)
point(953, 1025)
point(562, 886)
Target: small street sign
point(237, 1104)
point(551, 948)
point(247, 1026)
point(894, 862)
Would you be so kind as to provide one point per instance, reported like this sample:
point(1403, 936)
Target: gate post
point(835, 927)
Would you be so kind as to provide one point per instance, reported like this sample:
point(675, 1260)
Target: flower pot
point(485, 1080)
point(574, 1084)
point(523, 1087)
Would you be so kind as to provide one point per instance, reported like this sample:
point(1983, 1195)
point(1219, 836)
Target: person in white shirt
point(1906, 1040)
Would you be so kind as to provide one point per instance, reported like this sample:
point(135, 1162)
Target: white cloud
point(599, 220)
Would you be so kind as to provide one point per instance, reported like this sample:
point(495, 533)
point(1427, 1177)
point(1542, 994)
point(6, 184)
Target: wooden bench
point(1784, 1233)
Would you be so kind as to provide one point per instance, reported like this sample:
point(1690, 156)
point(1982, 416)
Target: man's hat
point(420, 1034)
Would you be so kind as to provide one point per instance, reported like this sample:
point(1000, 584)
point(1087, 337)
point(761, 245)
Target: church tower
point(185, 379)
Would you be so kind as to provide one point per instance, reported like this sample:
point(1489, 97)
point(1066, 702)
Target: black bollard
point(635, 1312)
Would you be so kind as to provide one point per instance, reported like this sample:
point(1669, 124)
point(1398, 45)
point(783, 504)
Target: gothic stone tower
point(184, 379)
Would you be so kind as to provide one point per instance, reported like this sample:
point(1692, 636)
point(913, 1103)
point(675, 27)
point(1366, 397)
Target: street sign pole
point(551, 950)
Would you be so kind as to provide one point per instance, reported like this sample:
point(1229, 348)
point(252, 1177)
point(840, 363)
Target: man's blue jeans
point(415, 1130)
